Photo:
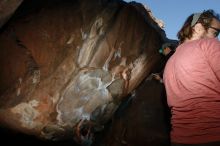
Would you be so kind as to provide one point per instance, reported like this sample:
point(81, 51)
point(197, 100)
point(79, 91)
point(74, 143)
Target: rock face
point(142, 119)
point(67, 65)
point(7, 8)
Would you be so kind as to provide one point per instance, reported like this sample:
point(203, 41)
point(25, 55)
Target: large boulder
point(7, 9)
point(67, 65)
point(141, 119)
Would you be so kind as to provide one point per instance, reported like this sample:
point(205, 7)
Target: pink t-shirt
point(192, 81)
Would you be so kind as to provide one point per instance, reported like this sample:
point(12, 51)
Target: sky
point(174, 12)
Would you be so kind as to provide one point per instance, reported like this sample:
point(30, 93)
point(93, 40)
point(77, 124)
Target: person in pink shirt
point(192, 82)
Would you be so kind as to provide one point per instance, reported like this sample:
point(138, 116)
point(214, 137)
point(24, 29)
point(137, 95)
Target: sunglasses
point(216, 29)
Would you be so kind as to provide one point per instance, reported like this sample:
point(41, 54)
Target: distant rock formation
point(158, 21)
point(67, 65)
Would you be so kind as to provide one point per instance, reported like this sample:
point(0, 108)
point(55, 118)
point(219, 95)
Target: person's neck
point(193, 38)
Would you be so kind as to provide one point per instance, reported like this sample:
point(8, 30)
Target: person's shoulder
point(207, 43)
point(209, 40)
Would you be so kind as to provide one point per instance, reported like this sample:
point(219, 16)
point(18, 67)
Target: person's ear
point(198, 28)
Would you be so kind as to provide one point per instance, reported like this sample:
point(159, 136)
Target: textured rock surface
point(68, 64)
point(7, 8)
point(142, 119)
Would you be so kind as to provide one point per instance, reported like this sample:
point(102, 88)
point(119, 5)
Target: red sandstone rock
point(64, 62)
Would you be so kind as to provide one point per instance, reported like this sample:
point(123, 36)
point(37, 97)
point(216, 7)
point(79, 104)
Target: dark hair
point(205, 18)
